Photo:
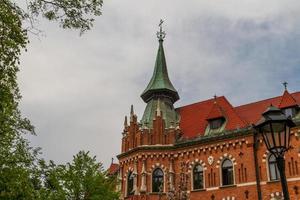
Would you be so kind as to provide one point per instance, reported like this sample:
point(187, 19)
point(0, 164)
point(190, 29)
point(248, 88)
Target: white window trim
point(164, 179)
point(221, 174)
point(192, 176)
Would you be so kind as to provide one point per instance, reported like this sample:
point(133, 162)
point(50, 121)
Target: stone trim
point(226, 156)
point(165, 171)
point(191, 171)
point(276, 195)
point(229, 198)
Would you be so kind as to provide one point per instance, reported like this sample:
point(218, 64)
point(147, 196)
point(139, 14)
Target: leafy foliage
point(75, 14)
point(22, 174)
point(16, 157)
point(83, 178)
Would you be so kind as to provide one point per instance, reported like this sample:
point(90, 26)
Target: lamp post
point(275, 127)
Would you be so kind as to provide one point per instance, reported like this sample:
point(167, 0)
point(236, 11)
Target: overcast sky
point(77, 89)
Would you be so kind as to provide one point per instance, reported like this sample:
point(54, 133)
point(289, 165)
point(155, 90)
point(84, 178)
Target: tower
point(160, 119)
point(160, 94)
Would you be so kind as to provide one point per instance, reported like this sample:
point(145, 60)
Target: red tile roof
point(194, 117)
point(287, 100)
point(216, 111)
point(113, 169)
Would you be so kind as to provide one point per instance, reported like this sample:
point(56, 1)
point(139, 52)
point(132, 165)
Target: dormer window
point(289, 111)
point(216, 123)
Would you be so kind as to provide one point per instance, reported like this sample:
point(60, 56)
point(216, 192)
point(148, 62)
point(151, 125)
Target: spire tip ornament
point(161, 34)
point(285, 85)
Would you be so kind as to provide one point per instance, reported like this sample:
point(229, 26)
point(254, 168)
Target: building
point(206, 150)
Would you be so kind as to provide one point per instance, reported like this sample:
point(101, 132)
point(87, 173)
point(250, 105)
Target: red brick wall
point(238, 149)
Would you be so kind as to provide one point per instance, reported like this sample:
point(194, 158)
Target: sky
point(77, 89)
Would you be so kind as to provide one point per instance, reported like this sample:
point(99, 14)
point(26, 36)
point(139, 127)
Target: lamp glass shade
point(276, 136)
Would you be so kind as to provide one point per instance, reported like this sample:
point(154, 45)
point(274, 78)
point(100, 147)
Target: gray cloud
point(77, 90)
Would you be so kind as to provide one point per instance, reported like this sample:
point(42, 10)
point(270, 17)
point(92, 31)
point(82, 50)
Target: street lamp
point(275, 129)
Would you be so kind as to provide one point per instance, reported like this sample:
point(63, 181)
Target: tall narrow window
point(273, 170)
point(198, 177)
point(130, 179)
point(227, 172)
point(157, 180)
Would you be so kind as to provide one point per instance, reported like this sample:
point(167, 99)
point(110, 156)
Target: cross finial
point(285, 85)
point(160, 34)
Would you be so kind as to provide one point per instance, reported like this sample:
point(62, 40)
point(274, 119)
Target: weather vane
point(285, 85)
point(161, 34)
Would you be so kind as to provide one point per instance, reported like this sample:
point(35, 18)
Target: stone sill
point(274, 181)
point(198, 190)
point(157, 193)
point(227, 186)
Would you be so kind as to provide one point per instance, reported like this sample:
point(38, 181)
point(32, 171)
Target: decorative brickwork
point(175, 141)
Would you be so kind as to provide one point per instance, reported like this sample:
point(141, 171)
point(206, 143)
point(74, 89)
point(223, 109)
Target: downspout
point(255, 148)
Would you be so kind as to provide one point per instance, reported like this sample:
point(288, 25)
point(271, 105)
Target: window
point(227, 172)
point(216, 123)
point(130, 179)
point(198, 177)
point(157, 180)
point(273, 170)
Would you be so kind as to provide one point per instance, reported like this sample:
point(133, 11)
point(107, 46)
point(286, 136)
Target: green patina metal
point(160, 82)
point(209, 131)
point(169, 114)
point(160, 89)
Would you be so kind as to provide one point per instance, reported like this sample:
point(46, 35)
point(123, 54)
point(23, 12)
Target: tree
point(82, 179)
point(20, 168)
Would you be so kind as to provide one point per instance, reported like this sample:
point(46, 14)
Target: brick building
point(206, 150)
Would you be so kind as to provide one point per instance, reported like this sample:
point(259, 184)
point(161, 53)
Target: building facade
point(207, 150)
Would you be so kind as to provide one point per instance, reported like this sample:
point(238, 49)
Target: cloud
point(77, 90)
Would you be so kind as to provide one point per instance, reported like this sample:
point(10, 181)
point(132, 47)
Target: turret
point(160, 92)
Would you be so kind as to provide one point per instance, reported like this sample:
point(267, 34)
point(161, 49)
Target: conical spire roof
point(160, 82)
point(160, 94)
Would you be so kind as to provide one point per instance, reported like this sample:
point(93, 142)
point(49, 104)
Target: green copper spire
point(160, 94)
point(160, 83)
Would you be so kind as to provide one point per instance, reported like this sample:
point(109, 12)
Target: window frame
point(160, 178)
point(273, 164)
point(231, 180)
point(130, 182)
point(216, 123)
point(199, 173)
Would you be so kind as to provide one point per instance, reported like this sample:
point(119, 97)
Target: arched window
point(198, 177)
point(227, 172)
point(130, 179)
point(157, 180)
point(273, 170)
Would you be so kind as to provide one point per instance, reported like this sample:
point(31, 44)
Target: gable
point(193, 117)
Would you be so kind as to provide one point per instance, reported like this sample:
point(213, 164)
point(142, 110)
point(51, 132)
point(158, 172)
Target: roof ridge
point(264, 100)
point(207, 100)
point(233, 109)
